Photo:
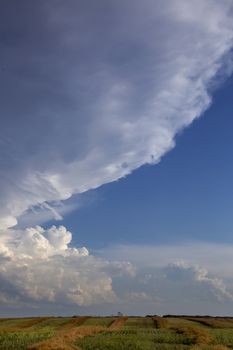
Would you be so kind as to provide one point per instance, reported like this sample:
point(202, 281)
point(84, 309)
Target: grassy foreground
point(113, 333)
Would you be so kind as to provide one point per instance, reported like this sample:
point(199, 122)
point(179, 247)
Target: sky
point(115, 157)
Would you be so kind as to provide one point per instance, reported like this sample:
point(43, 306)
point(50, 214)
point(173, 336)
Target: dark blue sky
point(187, 196)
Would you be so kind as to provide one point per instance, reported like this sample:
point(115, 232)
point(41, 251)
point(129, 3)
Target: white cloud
point(196, 283)
point(38, 268)
point(190, 278)
point(173, 288)
point(110, 96)
point(38, 265)
point(216, 257)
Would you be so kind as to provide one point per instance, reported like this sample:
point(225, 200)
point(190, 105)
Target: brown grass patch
point(53, 344)
point(118, 323)
point(33, 322)
point(75, 322)
point(220, 347)
point(6, 319)
point(195, 335)
point(212, 322)
point(213, 347)
point(27, 323)
point(160, 322)
point(64, 339)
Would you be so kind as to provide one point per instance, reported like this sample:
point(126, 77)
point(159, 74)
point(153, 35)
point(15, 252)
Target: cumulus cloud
point(188, 279)
point(96, 90)
point(177, 287)
point(40, 267)
point(217, 257)
point(196, 281)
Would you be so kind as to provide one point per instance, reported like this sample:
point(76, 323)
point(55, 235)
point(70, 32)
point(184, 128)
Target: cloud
point(90, 92)
point(216, 257)
point(39, 269)
point(37, 265)
point(190, 278)
point(174, 287)
point(197, 283)
point(93, 91)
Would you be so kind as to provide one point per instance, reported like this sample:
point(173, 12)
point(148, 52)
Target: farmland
point(116, 333)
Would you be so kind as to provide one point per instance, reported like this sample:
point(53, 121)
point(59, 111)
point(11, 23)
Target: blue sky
point(115, 157)
point(186, 197)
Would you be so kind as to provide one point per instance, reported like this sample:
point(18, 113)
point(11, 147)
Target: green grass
point(52, 323)
point(142, 322)
point(11, 323)
point(181, 322)
point(223, 336)
point(213, 322)
point(20, 340)
point(133, 339)
point(137, 333)
point(141, 334)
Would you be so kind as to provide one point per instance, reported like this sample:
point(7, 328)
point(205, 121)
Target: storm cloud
point(92, 91)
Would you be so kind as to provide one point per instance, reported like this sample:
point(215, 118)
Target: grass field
point(112, 333)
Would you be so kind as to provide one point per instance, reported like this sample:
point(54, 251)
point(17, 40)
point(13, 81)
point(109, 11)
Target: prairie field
point(116, 333)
